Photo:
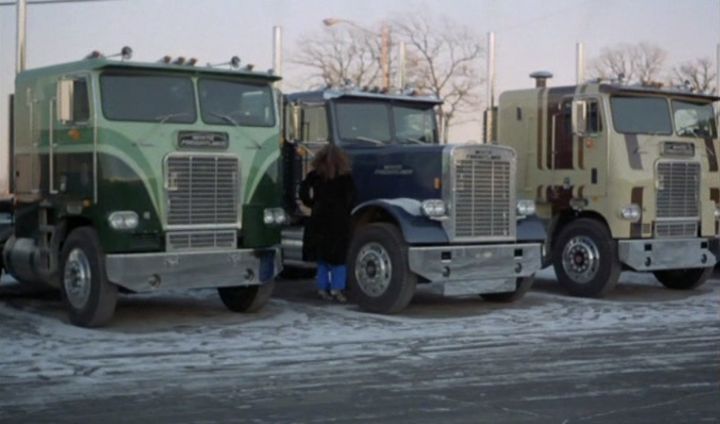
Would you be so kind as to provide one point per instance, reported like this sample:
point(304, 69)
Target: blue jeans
point(331, 277)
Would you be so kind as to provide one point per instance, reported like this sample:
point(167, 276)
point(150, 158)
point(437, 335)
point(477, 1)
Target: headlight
point(717, 211)
point(525, 207)
point(123, 220)
point(631, 213)
point(274, 216)
point(434, 208)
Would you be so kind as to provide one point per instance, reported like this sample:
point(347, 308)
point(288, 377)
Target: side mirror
point(65, 93)
point(579, 117)
point(293, 131)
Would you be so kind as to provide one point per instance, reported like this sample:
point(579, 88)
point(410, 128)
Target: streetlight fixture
point(384, 44)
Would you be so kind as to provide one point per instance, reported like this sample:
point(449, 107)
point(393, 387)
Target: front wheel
point(88, 296)
point(585, 258)
point(522, 285)
point(683, 279)
point(379, 278)
point(246, 299)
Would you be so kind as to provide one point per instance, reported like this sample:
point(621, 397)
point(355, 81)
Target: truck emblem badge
point(394, 170)
point(203, 140)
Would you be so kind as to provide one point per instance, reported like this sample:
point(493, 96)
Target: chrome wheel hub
point(77, 278)
point(373, 269)
point(581, 259)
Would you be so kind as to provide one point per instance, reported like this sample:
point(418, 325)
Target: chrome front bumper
point(658, 254)
point(142, 272)
point(456, 270)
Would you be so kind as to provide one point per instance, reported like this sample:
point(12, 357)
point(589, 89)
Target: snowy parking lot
point(643, 354)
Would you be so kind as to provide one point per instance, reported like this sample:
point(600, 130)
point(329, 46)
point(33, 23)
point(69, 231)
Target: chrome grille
point(202, 190)
point(678, 199)
point(184, 240)
point(676, 229)
point(483, 204)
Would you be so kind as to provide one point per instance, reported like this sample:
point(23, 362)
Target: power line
point(33, 2)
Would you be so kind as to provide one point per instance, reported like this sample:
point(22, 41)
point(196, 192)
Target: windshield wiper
point(230, 120)
point(412, 140)
point(368, 140)
point(161, 119)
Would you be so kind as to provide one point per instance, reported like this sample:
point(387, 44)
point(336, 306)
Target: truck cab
point(625, 177)
point(137, 177)
point(444, 216)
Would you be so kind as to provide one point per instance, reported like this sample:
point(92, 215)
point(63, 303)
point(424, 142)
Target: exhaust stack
point(277, 53)
point(20, 60)
point(541, 78)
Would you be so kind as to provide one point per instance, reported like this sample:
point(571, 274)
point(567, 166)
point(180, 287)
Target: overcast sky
point(530, 34)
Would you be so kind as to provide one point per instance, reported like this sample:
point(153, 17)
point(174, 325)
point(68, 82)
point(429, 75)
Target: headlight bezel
point(434, 209)
point(274, 216)
point(631, 212)
point(525, 208)
point(123, 220)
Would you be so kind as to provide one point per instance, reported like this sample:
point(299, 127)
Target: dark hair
point(330, 162)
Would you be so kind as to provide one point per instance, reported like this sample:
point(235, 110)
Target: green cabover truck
point(626, 178)
point(136, 177)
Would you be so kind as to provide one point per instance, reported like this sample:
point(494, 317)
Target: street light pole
point(385, 43)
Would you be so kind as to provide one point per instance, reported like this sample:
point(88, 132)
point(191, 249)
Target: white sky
point(530, 34)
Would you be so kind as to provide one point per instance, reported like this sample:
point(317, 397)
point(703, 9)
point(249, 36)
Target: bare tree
point(699, 74)
point(340, 55)
point(445, 60)
point(633, 63)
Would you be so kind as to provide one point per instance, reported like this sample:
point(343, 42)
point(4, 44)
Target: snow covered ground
point(179, 346)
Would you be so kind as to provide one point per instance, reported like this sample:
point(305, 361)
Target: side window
point(314, 125)
point(81, 101)
point(594, 124)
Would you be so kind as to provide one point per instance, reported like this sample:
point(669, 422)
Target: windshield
point(385, 123)
point(641, 115)
point(224, 102)
point(147, 98)
point(694, 119)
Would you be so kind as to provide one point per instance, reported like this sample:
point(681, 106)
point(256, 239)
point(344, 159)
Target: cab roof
point(86, 65)
point(633, 89)
point(320, 96)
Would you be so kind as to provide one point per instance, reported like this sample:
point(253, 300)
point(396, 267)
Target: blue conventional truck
point(445, 216)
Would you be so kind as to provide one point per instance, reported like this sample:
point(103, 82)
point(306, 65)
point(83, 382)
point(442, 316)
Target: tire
point(379, 278)
point(522, 285)
point(6, 231)
point(246, 299)
point(684, 279)
point(585, 258)
point(90, 300)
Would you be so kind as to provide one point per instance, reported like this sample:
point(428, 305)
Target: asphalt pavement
point(645, 354)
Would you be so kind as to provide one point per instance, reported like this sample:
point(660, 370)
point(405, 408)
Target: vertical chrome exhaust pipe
point(490, 91)
point(20, 60)
point(579, 63)
point(277, 53)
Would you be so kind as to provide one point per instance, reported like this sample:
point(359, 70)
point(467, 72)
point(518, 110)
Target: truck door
point(580, 150)
point(71, 142)
point(309, 135)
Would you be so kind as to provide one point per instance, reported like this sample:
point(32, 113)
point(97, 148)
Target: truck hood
point(394, 171)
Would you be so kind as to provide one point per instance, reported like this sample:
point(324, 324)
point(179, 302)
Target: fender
point(414, 226)
point(531, 229)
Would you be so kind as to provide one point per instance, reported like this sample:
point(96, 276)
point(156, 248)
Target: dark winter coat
point(327, 231)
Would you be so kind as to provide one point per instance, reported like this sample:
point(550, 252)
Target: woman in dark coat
point(330, 192)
